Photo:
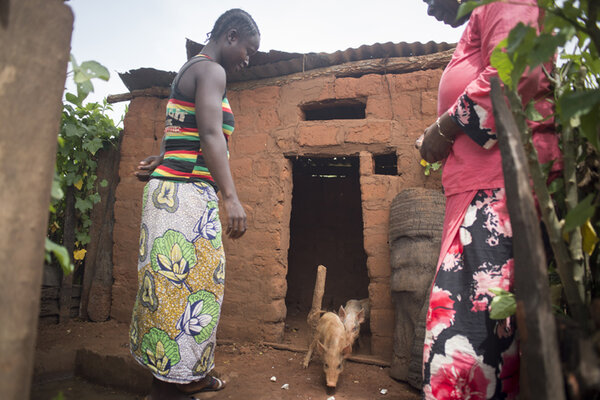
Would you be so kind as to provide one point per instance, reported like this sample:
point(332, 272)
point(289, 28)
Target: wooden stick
point(541, 376)
point(315, 311)
point(362, 359)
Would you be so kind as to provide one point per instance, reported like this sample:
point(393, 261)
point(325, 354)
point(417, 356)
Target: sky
point(128, 34)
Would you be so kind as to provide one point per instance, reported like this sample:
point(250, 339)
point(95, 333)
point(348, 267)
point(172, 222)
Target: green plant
point(85, 129)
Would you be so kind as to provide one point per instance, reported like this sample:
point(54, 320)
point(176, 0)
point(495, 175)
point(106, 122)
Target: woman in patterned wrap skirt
point(181, 268)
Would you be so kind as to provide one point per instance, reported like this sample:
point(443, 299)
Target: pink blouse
point(474, 162)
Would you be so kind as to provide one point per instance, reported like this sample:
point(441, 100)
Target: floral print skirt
point(467, 355)
point(181, 276)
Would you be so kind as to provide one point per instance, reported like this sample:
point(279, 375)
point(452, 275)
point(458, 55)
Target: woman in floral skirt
point(467, 355)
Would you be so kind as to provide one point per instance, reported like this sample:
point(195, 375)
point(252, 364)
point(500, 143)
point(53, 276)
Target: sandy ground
point(253, 371)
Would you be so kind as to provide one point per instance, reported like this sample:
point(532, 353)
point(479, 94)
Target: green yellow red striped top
point(183, 159)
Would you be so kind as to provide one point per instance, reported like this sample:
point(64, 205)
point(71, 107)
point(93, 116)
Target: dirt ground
point(252, 371)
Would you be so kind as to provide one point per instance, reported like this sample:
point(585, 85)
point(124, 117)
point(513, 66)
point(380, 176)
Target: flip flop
point(215, 385)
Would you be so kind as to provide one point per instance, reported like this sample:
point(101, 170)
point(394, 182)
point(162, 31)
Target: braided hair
point(234, 19)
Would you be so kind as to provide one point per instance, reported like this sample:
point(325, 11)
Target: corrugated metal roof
point(278, 63)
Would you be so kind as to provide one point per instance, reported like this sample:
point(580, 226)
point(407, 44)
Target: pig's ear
point(347, 351)
point(361, 316)
point(342, 313)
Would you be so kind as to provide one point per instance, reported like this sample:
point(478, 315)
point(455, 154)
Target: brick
point(429, 104)
point(413, 81)
point(272, 332)
point(380, 294)
point(274, 311)
point(382, 321)
point(241, 168)
point(366, 85)
point(262, 168)
point(406, 106)
point(379, 107)
point(379, 266)
point(382, 347)
point(376, 218)
point(376, 241)
point(369, 133)
point(249, 144)
point(367, 165)
point(317, 135)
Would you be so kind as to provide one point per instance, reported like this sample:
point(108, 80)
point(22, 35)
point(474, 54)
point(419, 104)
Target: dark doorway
point(326, 227)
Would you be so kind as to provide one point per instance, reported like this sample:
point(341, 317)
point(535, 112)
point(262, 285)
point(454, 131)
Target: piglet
point(354, 314)
point(329, 338)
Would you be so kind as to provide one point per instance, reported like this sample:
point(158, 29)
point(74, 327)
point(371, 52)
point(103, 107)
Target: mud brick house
point(322, 144)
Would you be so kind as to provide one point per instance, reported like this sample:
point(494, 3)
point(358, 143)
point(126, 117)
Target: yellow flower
point(424, 163)
point(79, 254)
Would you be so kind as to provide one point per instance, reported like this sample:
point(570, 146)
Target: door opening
point(326, 227)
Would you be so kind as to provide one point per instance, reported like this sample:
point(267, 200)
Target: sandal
point(214, 385)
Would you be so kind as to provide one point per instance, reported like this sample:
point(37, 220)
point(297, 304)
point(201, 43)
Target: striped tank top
point(183, 160)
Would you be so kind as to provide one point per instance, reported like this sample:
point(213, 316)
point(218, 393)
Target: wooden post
point(66, 286)
point(541, 376)
point(34, 38)
point(315, 311)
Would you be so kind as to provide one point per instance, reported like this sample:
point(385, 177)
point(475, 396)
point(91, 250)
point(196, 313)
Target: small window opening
point(334, 109)
point(386, 164)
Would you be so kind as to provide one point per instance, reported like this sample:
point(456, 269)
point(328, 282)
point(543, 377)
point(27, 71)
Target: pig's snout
point(331, 375)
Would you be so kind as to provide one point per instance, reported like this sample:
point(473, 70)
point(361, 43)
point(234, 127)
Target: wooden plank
point(35, 40)
point(541, 376)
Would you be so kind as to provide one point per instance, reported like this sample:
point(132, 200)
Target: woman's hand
point(146, 166)
point(433, 146)
point(236, 218)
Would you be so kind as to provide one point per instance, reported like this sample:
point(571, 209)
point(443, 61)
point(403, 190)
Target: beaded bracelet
point(446, 138)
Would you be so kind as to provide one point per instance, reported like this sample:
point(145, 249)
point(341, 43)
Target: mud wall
point(270, 129)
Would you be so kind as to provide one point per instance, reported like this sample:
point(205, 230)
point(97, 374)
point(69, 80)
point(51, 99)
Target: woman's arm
point(210, 82)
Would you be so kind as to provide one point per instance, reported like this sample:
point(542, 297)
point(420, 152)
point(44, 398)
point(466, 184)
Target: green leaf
point(104, 183)
point(579, 214)
point(71, 129)
point(503, 304)
point(503, 64)
point(573, 104)
point(589, 125)
point(93, 145)
point(532, 113)
point(83, 205)
point(93, 69)
point(468, 7)
point(56, 191)
point(61, 254)
point(72, 98)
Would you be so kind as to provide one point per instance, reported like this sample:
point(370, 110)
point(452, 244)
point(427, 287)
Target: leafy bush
point(85, 129)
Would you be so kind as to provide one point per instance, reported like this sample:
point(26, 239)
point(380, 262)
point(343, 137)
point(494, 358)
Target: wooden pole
point(315, 311)
point(34, 38)
point(541, 376)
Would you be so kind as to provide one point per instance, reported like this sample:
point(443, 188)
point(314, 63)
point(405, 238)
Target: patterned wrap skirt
point(467, 355)
point(181, 277)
